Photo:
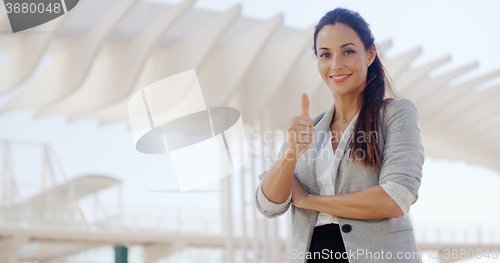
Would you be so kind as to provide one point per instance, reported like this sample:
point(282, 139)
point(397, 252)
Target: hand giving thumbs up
point(300, 131)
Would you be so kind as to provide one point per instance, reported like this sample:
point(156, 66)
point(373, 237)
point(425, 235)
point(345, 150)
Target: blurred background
point(75, 189)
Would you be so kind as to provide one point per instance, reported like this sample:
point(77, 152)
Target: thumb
point(305, 105)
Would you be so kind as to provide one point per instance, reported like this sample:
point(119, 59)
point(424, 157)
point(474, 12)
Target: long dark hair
point(373, 96)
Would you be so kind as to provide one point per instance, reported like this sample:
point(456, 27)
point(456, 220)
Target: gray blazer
point(402, 161)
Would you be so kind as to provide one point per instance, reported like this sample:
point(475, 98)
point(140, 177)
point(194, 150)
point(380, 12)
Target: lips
point(340, 77)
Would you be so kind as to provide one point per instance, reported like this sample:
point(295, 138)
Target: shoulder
point(399, 114)
point(395, 107)
point(401, 104)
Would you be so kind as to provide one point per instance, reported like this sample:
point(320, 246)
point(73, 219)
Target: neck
point(346, 107)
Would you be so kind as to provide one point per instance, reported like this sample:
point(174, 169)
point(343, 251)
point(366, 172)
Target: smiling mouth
point(340, 78)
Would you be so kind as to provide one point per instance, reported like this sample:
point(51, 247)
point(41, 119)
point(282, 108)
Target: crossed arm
point(370, 203)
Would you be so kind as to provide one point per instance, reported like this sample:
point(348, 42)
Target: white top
point(327, 165)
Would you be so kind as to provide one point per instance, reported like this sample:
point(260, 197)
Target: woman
point(353, 171)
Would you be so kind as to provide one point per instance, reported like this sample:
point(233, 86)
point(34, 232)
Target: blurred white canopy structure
point(105, 51)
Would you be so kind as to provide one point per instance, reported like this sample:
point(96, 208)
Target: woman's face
point(342, 59)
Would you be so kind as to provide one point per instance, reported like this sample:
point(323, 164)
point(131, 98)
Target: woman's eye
point(350, 51)
point(325, 55)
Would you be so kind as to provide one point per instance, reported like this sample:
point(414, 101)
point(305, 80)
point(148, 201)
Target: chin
point(341, 91)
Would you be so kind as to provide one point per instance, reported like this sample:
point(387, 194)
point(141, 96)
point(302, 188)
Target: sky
point(452, 192)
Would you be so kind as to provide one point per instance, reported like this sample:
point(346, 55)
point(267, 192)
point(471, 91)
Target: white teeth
point(341, 77)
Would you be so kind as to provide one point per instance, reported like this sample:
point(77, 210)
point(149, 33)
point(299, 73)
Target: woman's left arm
point(370, 203)
point(399, 179)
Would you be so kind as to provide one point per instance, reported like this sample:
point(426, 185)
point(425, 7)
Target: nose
point(337, 63)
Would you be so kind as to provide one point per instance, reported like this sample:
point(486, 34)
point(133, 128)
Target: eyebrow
point(344, 45)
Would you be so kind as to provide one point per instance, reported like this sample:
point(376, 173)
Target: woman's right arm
point(274, 190)
point(277, 182)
